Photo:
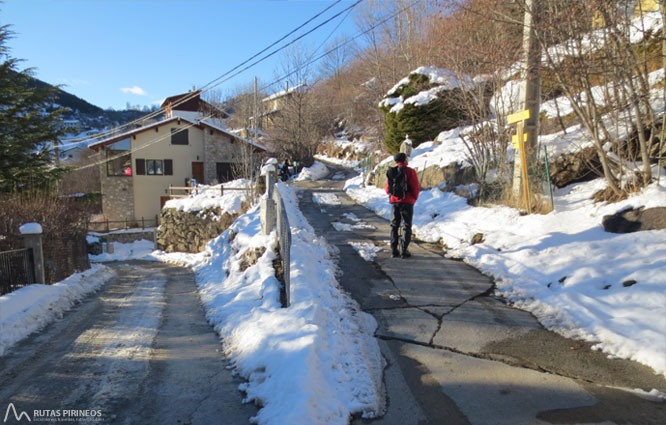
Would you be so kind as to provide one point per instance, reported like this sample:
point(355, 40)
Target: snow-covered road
point(140, 350)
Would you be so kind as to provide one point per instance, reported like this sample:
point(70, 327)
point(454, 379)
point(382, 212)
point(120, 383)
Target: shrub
point(64, 223)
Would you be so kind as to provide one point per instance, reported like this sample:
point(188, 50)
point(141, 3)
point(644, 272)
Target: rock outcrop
point(575, 167)
point(453, 174)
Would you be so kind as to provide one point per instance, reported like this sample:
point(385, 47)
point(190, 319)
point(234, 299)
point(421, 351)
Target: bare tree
point(298, 126)
point(605, 75)
point(478, 44)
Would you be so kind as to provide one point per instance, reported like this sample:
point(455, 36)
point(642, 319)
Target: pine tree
point(27, 124)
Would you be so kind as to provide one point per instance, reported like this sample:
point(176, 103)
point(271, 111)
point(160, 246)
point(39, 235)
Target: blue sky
point(155, 48)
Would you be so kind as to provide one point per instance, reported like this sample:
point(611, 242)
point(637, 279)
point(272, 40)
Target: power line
point(214, 83)
point(383, 21)
point(377, 24)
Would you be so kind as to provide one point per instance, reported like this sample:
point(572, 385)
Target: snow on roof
point(282, 93)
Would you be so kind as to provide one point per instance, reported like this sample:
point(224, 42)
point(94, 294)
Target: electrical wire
point(214, 83)
point(383, 21)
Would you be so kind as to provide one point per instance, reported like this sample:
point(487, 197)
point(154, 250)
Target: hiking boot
point(406, 254)
point(396, 253)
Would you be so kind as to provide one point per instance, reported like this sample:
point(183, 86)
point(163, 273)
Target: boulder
point(635, 220)
point(575, 167)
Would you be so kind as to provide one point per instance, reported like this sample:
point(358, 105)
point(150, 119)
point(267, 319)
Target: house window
point(142, 164)
point(119, 159)
point(179, 136)
point(154, 167)
point(224, 171)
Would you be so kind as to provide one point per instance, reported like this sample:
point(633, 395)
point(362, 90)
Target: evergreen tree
point(27, 124)
point(422, 122)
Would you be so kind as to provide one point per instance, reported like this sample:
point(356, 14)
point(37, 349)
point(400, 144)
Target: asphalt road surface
point(138, 352)
point(455, 354)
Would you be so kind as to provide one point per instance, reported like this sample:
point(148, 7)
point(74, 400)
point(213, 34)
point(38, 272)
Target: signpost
point(519, 140)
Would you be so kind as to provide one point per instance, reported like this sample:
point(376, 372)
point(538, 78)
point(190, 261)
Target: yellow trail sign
point(514, 139)
point(518, 116)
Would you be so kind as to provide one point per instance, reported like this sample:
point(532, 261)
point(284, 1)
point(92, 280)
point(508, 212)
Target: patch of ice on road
point(366, 250)
point(324, 198)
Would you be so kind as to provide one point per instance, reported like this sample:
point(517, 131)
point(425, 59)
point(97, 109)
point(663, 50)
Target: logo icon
point(16, 415)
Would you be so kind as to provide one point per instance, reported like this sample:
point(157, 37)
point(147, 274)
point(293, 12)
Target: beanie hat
point(400, 157)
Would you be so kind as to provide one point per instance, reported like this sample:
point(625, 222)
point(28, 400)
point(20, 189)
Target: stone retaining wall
point(182, 231)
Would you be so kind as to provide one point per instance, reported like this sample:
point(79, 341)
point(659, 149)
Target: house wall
point(148, 189)
point(118, 194)
point(218, 148)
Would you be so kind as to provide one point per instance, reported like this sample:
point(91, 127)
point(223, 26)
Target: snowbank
point(313, 362)
point(316, 172)
point(32, 307)
point(229, 203)
point(138, 250)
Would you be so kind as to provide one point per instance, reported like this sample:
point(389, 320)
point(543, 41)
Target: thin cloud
point(134, 90)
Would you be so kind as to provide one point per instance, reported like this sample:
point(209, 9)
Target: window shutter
point(140, 167)
point(168, 167)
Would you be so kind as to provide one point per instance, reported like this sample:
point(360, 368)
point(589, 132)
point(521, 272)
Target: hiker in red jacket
point(402, 184)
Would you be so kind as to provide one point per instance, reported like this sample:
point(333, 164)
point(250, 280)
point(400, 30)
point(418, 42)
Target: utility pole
point(530, 90)
point(660, 152)
point(256, 111)
point(255, 123)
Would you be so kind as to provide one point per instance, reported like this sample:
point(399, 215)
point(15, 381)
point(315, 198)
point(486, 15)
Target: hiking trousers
point(401, 217)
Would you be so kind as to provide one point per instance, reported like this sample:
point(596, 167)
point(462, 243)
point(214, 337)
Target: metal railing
point(284, 244)
point(274, 214)
point(17, 269)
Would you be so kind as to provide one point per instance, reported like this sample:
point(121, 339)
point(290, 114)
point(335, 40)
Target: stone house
point(189, 142)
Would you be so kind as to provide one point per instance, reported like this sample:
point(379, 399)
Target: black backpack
point(397, 181)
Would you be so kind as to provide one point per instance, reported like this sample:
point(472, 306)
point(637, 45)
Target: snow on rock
point(314, 362)
point(31, 229)
point(229, 203)
point(315, 172)
point(445, 79)
point(32, 307)
point(442, 77)
point(563, 266)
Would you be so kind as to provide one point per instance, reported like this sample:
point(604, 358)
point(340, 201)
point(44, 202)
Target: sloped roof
point(199, 124)
point(194, 103)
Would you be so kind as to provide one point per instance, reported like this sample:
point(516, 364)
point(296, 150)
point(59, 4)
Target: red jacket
point(414, 187)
